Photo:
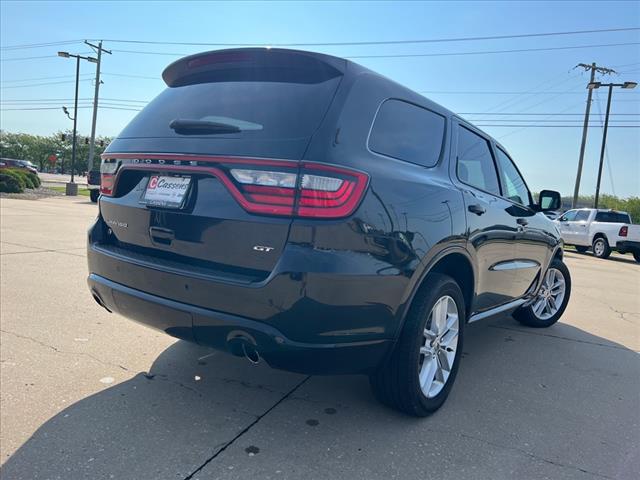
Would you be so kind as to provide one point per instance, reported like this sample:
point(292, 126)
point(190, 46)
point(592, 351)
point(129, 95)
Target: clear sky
point(478, 86)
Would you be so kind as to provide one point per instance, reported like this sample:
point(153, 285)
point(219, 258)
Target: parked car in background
point(13, 163)
point(93, 184)
point(629, 241)
point(322, 217)
point(588, 228)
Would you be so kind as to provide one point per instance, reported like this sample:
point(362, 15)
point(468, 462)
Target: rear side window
point(475, 165)
point(260, 109)
point(612, 217)
point(408, 132)
point(582, 216)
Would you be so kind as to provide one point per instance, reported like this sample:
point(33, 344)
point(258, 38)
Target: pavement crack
point(533, 456)
point(246, 429)
point(194, 390)
point(621, 313)
point(63, 352)
point(617, 347)
point(66, 251)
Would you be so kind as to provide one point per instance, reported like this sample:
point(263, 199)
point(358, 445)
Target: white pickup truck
point(600, 230)
point(630, 241)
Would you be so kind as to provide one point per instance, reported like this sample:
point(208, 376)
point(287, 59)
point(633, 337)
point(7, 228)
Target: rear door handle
point(522, 221)
point(161, 235)
point(477, 209)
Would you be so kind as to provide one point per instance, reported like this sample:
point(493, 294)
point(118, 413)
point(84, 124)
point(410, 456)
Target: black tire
point(93, 195)
point(527, 316)
point(636, 255)
point(396, 382)
point(581, 248)
point(597, 251)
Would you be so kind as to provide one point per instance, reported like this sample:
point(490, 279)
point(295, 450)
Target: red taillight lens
point(316, 191)
point(106, 183)
point(329, 192)
point(623, 231)
point(108, 168)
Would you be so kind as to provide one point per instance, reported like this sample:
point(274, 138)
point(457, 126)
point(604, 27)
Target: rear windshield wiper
point(183, 126)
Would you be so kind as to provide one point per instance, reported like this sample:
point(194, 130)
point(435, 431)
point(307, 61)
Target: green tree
point(37, 149)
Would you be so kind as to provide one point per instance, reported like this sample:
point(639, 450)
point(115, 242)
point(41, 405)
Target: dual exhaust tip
point(250, 353)
point(243, 346)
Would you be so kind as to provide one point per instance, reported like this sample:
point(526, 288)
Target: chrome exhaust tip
point(99, 301)
point(250, 353)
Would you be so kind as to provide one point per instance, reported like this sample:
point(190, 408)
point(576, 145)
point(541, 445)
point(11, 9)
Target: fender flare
point(421, 275)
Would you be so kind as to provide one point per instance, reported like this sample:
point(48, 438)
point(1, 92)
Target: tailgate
point(210, 230)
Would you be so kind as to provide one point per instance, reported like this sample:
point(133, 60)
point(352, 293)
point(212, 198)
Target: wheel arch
point(599, 235)
point(454, 262)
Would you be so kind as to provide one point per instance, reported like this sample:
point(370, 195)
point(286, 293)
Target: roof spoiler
point(253, 64)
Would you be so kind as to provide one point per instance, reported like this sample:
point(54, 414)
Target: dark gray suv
point(302, 209)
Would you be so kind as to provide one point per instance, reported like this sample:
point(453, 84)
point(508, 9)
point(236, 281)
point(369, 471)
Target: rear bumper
point(227, 332)
point(625, 246)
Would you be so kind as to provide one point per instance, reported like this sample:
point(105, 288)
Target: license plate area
point(166, 191)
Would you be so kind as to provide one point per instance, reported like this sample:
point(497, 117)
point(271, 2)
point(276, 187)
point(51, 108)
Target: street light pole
point(592, 86)
point(602, 70)
point(75, 123)
point(72, 187)
point(604, 144)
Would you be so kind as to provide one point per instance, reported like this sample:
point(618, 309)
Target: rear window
point(408, 132)
point(260, 109)
point(612, 217)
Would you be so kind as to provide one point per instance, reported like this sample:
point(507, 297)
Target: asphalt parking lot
point(86, 394)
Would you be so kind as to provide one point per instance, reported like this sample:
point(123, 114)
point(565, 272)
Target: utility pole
point(593, 68)
point(92, 143)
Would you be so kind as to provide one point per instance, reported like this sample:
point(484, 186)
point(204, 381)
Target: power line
point(45, 83)
point(520, 129)
point(511, 102)
point(168, 54)
point(58, 108)
point(414, 55)
point(377, 42)
point(131, 76)
point(39, 45)
point(15, 59)
point(25, 58)
point(497, 92)
point(538, 113)
point(554, 126)
point(485, 52)
point(70, 100)
point(568, 121)
point(626, 65)
point(34, 79)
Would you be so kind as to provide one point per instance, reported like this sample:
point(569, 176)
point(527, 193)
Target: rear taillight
point(313, 191)
point(260, 186)
point(108, 169)
point(623, 231)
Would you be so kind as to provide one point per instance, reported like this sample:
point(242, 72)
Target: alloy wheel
point(550, 296)
point(438, 350)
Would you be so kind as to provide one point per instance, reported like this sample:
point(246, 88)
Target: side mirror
point(549, 200)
